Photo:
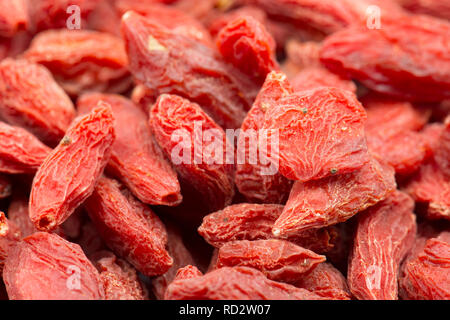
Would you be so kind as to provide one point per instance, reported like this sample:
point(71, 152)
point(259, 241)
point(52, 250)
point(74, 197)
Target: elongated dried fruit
point(321, 133)
point(177, 64)
point(135, 159)
point(320, 203)
point(279, 260)
point(129, 227)
point(187, 272)
point(238, 283)
point(20, 151)
point(30, 98)
point(384, 235)
point(197, 147)
point(44, 266)
point(80, 158)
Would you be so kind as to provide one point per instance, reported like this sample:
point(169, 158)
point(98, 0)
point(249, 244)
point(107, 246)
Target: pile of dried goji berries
point(237, 149)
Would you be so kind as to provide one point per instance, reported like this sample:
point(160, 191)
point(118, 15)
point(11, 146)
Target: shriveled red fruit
point(384, 236)
point(437, 8)
point(135, 159)
point(3, 224)
point(321, 133)
point(5, 186)
point(30, 98)
point(254, 176)
point(82, 60)
point(181, 65)
point(187, 272)
point(320, 203)
point(44, 266)
point(143, 97)
point(427, 277)
point(326, 281)
point(301, 55)
point(80, 158)
point(20, 151)
point(406, 57)
point(279, 260)
point(442, 153)
point(129, 228)
point(431, 134)
point(197, 147)
point(238, 283)
point(13, 17)
point(311, 78)
point(18, 214)
point(10, 236)
point(119, 278)
point(246, 44)
point(247, 221)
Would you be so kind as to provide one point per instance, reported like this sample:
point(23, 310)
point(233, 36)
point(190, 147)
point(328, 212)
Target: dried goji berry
point(310, 78)
point(5, 186)
point(119, 278)
point(200, 154)
point(18, 214)
point(238, 283)
point(44, 266)
point(187, 272)
point(279, 260)
point(30, 98)
point(144, 97)
point(437, 8)
point(82, 60)
point(326, 281)
point(10, 236)
point(129, 228)
point(253, 177)
point(135, 159)
point(195, 71)
point(80, 158)
point(442, 153)
point(301, 55)
point(321, 133)
point(320, 203)
point(384, 235)
point(13, 17)
point(406, 57)
point(20, 151)
point(431, 134)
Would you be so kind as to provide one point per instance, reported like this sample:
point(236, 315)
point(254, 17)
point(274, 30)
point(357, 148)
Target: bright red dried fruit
point(196, 146)
point(13, 17)
point(279, 260)
point(18, 214)
point(80, 158)
point(406, 57)
point(311, 78)
point(30, 98)
point(384, 236)
point(10, 235)
point(254, 177)
point(5, 186)
point(320, 203)
point(44, 266)
point(129, 227)
point(238, 283)
point(82, 60)
point(437, 8)
point(135, 158)
point(20, 151)
point(321, 133)
point(169, 62)
point(442, 153)
point(187, 272)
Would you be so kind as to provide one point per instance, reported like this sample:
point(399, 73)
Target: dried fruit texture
point(181, 65)
point(384, 235)
point(279, 260)
point(13, 17)
point(407, 57)
point(245, 43)
point(311, 78)
point(320, 203)
point(437, 8)
point(89, 239)
point(135, 159)
point(180, 127)
point(188, 272)
point(20, 151)
point(442, 153)
point(143, 97)
point(427, 276)
point(9, 237)
point(174, 19)
point(247, 221)
point(82, 60)
point(119, 278)
point(326, 16)
point(18, 214)
point(326, 281)
point(181, 258)
point(5, 186)
point(129, 228)
point(301, 55)
point(321, 133)
point(80, 158)
point(30, 98)
point(253, 178)
point(44, 266)
point(238, 283)
point(431, 134)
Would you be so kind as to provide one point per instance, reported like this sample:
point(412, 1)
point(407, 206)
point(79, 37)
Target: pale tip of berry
point(276, 232)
